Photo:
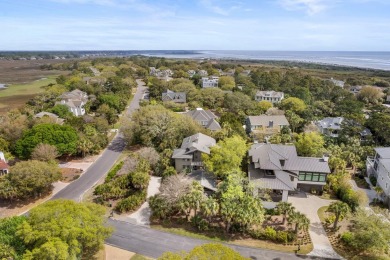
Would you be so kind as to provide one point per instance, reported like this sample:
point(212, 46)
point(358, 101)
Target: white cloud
point(311, 7)
point(226, 8)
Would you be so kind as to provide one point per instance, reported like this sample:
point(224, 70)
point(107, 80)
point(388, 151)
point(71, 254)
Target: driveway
point(309, 205)
point(142, 215)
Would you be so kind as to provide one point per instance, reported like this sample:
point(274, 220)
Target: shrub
point(132, 202)
point(291, 236)
point(269, 233)
point(347, 237)
point(200, 223)
point(271, 212)
point(330, 220)
point(282, 236)
point(373, 180)
point(111, 174)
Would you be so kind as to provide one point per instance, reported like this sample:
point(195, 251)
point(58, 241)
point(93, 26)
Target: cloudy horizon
point(301, 25)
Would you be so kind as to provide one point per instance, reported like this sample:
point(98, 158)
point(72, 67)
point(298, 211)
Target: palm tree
point(340, 209)
point(286, 209)
point(210, 208)
point(300, 220)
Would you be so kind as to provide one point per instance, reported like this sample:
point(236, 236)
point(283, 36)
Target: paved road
point(137, 238)
point(153, 243)
point(103, 164)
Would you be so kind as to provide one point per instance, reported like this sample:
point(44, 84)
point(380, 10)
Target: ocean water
point(371, 60)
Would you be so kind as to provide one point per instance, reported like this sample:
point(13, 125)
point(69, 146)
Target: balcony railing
point(196, 163)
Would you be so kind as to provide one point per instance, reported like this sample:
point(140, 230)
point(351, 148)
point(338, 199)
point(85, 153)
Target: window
point(312, 176)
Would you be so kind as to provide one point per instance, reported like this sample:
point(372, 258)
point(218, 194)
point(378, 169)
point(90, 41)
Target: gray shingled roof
point(200, 115)
point(331, 123)
point(179, 97)
point(197, 142)
point(271, 156)
point(266, 119)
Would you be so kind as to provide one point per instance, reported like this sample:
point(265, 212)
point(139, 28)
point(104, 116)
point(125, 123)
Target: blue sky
point(329, 25)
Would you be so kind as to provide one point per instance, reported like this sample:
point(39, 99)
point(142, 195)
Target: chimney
point(325, 157)
point(282, 162)
point(271, 123)
point(199, 108)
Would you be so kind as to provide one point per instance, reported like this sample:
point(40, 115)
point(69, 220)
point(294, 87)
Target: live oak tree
point(28, 179)
point(309, 144)
point(226, 156)
point(63, 137)
point(64, 229)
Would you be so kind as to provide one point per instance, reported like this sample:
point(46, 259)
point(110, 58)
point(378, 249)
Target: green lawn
point(27, 89)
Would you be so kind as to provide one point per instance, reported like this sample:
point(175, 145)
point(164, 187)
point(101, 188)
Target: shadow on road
point(117, 145)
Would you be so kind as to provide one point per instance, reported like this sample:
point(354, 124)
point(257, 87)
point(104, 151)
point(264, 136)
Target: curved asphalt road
point(141, 239)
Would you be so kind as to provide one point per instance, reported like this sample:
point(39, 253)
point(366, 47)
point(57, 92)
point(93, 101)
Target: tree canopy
point(28, 179)
point(63, 137)
point(226, 156)
point(63, 229)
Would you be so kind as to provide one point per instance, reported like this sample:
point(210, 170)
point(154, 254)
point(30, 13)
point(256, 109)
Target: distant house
point(330, 126)
point(189, 156)
point(205, 118)
point(365, 135)
point(160, 73)
point(210, 82)
point(75, 101)
point(229, 72)
point(94, 80)
point(153, 71)
point(266, 125)
point(202, 73)
point(379, 166)
point(338, 83)
point(177, 97)
point(355, 89)
point(245, 72)
point(271, 96)
point(56, 119)
point(4, 167)
point(191, 73)
point(279, 169)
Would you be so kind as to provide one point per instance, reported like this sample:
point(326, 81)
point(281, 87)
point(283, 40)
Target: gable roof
point(266, 119)
point(271, 157)
point(213, 125)
point(174, 96)
point(330, 123)
point(201, 115)
point(198, 142)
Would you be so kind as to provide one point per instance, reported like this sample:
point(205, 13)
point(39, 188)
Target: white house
point(379, 166)
point(75, 101)
point(210, 82)
point(271, 96)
